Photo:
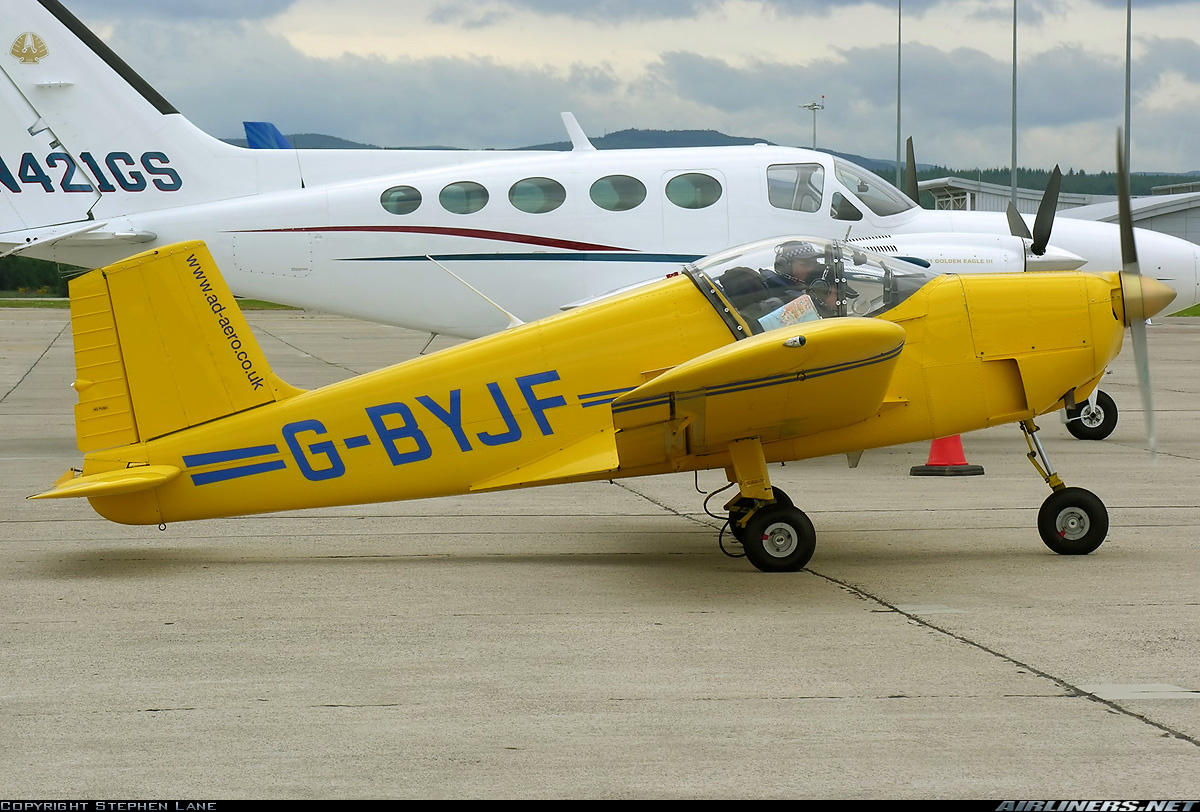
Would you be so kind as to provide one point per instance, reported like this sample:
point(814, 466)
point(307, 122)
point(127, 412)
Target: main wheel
point(1088, 422)
point(1073, 521)
point(779, 538)
point(743, 506)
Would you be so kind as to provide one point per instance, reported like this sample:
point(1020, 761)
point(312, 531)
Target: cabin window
point(843, 209)
point(797, 187)
point(693, 190)
point(537, 195)
point(464, 197)
point(618, 193)
point(400, 200)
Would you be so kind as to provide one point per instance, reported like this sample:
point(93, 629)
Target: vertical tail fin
point(160, 345)
point(84, 138)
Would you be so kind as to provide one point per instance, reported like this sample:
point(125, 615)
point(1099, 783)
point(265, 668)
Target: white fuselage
point(95, 166)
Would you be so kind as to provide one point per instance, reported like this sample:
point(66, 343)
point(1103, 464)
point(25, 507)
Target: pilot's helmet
point(792, 250)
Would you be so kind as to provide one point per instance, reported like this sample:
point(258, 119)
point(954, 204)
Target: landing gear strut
point(1072, 521)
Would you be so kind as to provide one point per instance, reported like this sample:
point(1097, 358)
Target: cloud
point(179, 9)
point(620, 11)
point(221, 70)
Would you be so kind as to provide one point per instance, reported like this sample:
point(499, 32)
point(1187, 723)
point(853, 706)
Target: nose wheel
point(1089, 421)
point(1072, 521)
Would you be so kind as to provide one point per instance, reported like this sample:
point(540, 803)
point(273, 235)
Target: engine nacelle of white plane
point(972, 253)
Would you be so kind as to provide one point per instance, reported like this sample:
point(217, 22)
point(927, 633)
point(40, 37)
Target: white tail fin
point(84, 138)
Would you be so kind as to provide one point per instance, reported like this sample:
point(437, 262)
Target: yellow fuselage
point(502, 411)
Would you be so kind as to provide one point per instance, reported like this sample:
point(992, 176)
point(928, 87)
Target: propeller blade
point(910, 174)
point(1137, 332)
point(1045, 214)
point(1128, 244)
point(1143, 296)
point(1016, 223)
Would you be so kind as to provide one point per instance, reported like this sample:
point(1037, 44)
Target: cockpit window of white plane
point(843, 209)
point(618, 193)
point(537, 195)
point(693, 190)
point(875, 193)
point(797, 187)
point(464, 197)
point(400, 200)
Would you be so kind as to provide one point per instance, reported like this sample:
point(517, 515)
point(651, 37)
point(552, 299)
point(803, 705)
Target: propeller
point(1143, 296)
point(910, 173)
point(1044, 222)
point(1045, 214)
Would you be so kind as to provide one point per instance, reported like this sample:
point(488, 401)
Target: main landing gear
point(778, 537)
point(1072, 521)
point(775, 535)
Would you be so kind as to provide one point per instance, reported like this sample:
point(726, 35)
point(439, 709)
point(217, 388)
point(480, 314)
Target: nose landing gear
point(1072, 521)
point(1093, 421)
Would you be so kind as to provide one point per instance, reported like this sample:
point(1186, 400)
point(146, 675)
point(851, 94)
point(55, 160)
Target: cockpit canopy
point(788, 280)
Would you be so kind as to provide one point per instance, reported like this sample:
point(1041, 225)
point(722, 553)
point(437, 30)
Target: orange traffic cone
point(946, 458)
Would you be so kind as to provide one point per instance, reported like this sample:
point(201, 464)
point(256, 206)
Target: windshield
point(875, 193)
point(787, 280)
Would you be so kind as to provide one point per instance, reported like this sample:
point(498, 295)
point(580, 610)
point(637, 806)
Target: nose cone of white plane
point(1172, 261)
point(1053, 259)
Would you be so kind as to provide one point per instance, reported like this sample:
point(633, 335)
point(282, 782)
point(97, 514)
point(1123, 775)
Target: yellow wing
point(785, 383)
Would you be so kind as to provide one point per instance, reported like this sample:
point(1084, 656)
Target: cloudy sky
point(496, 73)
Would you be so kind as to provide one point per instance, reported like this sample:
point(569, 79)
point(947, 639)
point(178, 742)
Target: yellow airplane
point(781, 350)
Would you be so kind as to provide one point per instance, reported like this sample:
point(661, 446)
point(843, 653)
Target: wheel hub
point(780, 540)
point(1091, 416)
point(1073, 524)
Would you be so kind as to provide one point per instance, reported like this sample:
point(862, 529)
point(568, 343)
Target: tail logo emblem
point(29, 48)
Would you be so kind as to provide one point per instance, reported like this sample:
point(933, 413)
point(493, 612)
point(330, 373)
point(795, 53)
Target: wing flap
point(594, 454)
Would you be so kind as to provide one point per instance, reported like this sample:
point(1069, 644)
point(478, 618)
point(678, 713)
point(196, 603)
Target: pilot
point(795, 262)
point(812, 285)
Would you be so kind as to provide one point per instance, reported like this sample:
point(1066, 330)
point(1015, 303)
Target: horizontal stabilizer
point(110, 483)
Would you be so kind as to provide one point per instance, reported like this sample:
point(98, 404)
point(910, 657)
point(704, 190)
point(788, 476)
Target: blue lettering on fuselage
point(397, 426)
point(334, 467)
point(60, 172)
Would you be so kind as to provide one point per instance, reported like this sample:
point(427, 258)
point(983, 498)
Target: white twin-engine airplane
point(96, 166)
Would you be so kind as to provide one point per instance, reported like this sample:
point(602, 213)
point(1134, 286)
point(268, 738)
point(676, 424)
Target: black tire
point(744, 506)
point(1087, 422)
point(1073, 521)
point(779, 538)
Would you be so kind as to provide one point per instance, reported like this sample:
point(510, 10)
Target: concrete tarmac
point(592, 640)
